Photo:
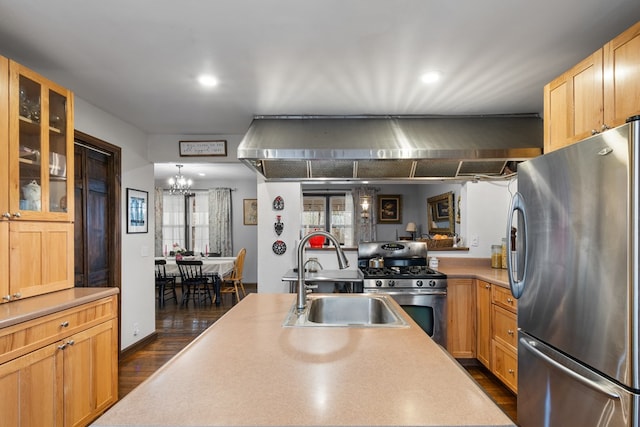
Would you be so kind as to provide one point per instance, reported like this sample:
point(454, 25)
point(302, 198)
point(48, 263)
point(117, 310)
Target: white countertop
point(247, 369)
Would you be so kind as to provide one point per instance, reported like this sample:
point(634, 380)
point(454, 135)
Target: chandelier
point(179, 184)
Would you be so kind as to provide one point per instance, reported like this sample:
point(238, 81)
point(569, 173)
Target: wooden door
point(461, 318)
point(40, 256)
point(97, 228)
point(573, 104)
point(622, 77)
point(90, 373)
point(31, 390)
point(483, 323)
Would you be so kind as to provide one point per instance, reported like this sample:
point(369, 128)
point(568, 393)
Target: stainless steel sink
point(362, 310)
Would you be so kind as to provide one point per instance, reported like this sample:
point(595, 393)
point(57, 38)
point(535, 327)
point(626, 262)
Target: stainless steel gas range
point(400, 269)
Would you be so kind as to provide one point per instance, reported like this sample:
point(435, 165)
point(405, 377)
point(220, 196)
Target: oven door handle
point(426, 293)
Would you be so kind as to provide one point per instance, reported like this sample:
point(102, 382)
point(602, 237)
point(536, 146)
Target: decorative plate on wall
point(279, 247)
point(278, 226)
point(278, 203)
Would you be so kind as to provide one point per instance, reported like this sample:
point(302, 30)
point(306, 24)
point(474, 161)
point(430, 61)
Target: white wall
point(272, 267)
point(138, 285)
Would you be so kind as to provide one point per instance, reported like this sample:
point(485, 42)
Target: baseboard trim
point(138, 345)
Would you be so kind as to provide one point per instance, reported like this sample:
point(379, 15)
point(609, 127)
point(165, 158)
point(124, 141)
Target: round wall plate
point(279, 247)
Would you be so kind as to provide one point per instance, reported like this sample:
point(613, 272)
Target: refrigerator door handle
point(594, 385)
point(517, 205)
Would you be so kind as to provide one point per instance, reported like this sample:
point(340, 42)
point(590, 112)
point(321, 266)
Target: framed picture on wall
point(137, 211)
point(390, 209)
point(250, 211)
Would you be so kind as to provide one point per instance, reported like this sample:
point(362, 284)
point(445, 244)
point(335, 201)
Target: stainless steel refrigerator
point(575, 274)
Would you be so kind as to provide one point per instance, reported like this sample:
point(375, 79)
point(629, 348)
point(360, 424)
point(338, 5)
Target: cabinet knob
point(17, 215)
point(62, 346)
point(487, 286)
point(64, 324)
point(594, 131)
point(511, 371)
point(7, 297)
point(510, 332)
point(17, 295)
point(510, 300)
point(6, 215)
point(605, 127)
point(71, 342)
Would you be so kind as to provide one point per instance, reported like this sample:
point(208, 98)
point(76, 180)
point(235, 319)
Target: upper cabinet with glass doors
point(40, 147)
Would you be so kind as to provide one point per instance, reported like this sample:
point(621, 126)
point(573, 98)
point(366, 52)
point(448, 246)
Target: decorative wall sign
point(278, 226)
point(278, 203)
point(214, 148)
point(279, 247)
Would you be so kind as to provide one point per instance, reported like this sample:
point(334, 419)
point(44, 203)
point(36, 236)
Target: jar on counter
point(496, 256)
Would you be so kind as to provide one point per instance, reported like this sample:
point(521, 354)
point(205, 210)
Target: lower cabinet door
point(31, 389)
point(90, 373)
point(505, 365)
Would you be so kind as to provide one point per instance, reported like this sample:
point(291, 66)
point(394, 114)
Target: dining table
point(214, 267)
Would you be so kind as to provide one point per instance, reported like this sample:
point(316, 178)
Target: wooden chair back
point(238, 267)
point(190, 270)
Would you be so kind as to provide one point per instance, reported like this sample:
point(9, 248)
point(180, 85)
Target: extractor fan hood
point(371, 148)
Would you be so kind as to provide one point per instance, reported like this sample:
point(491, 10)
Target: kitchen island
point(247, 369)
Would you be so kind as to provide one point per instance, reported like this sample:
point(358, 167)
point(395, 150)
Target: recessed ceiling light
point(430, 77)
point(207, 80)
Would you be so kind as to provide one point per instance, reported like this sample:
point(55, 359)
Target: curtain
point(157, 209)
point(173, 222)
point(365, 229)
point(220, 233)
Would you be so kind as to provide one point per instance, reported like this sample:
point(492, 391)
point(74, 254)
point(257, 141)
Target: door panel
point(556, 391)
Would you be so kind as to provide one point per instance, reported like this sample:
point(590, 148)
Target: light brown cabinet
point(622, 77)
point(504, 337)
point(573, 104)
point(461, 318)
point(598, 93)
point(36, 197)
point(60, 369)
point(483, 323)
point(497, 332)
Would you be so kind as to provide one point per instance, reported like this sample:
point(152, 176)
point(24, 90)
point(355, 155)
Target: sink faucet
point(343, 263)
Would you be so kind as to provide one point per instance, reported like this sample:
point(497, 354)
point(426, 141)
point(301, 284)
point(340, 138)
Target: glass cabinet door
point(40, 141)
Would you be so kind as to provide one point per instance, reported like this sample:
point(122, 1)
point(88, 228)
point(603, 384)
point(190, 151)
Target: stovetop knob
point(392, 282)
point(432, 283)
point(419, 283)
point(378, 283)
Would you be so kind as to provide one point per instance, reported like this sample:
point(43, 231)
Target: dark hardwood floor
point(177, 326)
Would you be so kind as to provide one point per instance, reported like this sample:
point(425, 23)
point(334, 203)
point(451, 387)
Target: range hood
point(373, 148)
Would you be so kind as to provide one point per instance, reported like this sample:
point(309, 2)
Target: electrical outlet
point(475, 241)
point(136, 329)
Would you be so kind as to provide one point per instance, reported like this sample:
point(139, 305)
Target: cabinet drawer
point(505, 365)
point(502, 297)
point(22, 338)
point(505, 324)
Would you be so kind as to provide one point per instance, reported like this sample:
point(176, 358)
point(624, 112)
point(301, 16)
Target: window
point(185, 221)
point(329, 212)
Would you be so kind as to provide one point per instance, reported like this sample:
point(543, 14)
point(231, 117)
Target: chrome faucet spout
point(343, 263)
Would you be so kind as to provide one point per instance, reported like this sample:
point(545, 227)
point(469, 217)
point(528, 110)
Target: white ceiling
point(139, 60)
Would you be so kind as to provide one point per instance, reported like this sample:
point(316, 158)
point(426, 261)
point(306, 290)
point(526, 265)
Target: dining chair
point(195, 284)
point(232, 283)
point(165, 285)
